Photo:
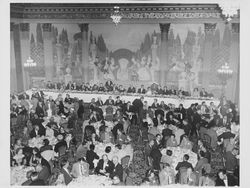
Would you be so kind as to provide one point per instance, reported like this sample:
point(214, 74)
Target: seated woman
point(88, 131)
point(19, 158)
point(94, 139)
point(104, 166)
point(34, 157)
point(186, 143)
point(196, 93)
point(171, 142)
point(106, 136)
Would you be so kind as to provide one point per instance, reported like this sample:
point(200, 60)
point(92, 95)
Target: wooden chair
point(125, 162)
point(207, 141)
point(109, 113)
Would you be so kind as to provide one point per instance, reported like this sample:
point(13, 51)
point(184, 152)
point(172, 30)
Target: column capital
point(209, 28)
point(24, 27)
point(164, 27)
point(47, 27)
point(84, 27)
point(235, 28)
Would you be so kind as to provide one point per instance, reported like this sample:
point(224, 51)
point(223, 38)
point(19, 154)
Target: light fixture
point(224, 73)
point(225, 70)
point(116, 16)
point(229, 9)
point(29, 63)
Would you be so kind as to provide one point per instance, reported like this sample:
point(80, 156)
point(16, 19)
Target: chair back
point(125, 161)
point(207, 141)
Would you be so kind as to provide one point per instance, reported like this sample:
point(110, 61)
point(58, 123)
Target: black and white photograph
point(112, 93)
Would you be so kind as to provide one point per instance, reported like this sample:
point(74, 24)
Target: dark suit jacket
point(109, 102)
point(37, 182)
point(90, 156)
point(59, 144)
point(155, 105)
point(109, 168)
point(67, 177)
point(231, 181)
point(137, 104)
point(184, 164)
point(131, 90)
point(44, 174)
point(118, 171)
point(99, 103)
point(33, 133)
point(142, 91)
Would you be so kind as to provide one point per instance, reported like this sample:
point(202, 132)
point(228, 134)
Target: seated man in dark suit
point(35, 180)
point(109, 101)
point(141, 90)
point(101, 88)
point(224, 179)
point(36, 132)
point(131, 89)
point(43, 172)
point(118, 170)
point(104, 166)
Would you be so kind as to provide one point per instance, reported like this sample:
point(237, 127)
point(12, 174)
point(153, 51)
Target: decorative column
point(48, 52)
point(164, 27)
point(85, 52)
point(18, 58)
point(25, 51)
point(206, 67)
point(59, 59)
point(13, 78)
point(232, 87)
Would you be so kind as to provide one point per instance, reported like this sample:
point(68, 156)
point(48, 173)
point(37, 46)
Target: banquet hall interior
point(124, 94)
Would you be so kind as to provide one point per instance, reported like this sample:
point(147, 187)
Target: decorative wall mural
point(131, 52)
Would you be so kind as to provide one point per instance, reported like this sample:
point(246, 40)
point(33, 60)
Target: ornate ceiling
point(132, 12)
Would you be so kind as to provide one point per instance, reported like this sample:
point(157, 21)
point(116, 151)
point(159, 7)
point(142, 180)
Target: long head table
point(87, 96)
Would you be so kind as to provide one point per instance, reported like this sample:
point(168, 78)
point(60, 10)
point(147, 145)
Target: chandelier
point(229, 9)
point(116, 16)
point(29, 63)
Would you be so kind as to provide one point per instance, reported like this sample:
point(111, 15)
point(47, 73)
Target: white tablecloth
point(92, 180)
point(222, 130)
point(86, 97)
point(126, 150)
point(38, 141)
point(18, 174)
point(178, 154)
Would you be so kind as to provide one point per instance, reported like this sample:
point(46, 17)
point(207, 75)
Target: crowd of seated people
point(109, 86)
point(162, 126)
